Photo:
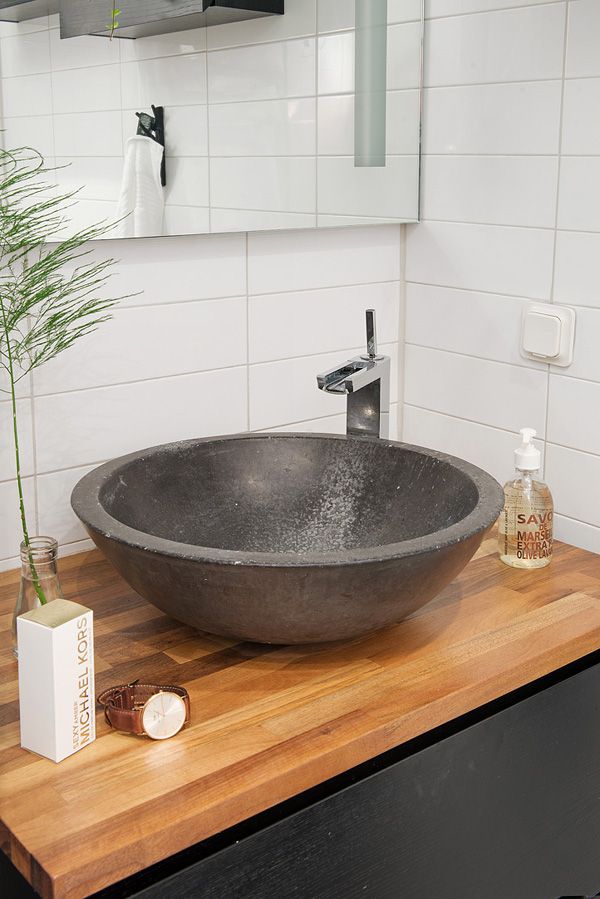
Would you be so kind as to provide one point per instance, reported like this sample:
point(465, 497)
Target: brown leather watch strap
point(124, 705)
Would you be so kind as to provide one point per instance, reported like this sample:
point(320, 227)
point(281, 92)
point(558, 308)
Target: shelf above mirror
point(21, 10)
point(143, 18)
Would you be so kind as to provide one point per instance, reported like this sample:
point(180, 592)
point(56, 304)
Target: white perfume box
point(56, 679)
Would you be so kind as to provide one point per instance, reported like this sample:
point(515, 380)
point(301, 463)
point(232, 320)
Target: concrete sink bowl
point(288, 538)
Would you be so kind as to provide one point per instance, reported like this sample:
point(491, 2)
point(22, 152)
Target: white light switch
point(548, 333)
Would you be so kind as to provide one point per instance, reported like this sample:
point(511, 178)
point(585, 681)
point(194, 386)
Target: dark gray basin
point(288, 538)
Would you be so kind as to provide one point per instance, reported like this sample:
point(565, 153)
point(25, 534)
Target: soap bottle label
point(526, 529)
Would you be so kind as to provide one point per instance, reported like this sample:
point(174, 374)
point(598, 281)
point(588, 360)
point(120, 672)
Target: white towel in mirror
point(142, 201)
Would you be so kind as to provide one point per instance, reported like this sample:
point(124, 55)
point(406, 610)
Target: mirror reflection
point(309, 119)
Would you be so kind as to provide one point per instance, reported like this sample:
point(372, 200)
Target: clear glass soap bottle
point(525, 527)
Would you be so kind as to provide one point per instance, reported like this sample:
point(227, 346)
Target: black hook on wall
point(153, 126)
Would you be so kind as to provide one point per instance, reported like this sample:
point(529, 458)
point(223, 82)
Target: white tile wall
point(510, 187)
point(511, 192)
point(229, 333)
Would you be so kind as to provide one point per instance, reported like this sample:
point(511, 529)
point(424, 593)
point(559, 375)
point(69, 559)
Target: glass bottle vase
point(39, 578)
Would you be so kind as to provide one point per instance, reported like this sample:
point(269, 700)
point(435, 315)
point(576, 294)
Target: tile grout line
point(247, 244)
point(402, 342)
point(556, 215)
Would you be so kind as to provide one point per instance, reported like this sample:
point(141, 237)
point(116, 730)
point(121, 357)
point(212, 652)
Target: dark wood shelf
point(21, 10)
point(143, 18)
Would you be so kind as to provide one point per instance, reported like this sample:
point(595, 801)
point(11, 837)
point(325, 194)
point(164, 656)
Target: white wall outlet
point(548, 333)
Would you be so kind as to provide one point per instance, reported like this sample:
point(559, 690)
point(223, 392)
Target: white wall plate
point(548, 333)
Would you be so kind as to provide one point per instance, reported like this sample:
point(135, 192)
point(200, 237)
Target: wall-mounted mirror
point(306, 119)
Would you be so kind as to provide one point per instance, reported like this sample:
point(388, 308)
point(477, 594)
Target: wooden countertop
point(267, 723)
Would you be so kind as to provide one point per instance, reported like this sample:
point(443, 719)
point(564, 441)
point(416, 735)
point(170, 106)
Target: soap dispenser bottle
point(525, 527)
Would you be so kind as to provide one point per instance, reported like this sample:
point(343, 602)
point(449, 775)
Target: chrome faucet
point(366, 382)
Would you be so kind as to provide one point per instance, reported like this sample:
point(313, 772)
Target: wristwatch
point(150, 710)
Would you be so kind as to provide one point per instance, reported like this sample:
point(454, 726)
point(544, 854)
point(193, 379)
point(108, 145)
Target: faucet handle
point(371, 334)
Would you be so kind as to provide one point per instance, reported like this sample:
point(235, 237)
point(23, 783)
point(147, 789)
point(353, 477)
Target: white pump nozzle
point(527, 456)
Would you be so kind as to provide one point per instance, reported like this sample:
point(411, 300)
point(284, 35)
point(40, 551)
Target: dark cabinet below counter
point(501, 804)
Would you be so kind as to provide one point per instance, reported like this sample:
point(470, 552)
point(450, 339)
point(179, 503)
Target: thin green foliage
point(51, 290)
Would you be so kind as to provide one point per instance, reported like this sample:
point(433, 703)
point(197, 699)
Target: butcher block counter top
point(267, 722)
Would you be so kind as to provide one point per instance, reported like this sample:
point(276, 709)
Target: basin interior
point(288, 495)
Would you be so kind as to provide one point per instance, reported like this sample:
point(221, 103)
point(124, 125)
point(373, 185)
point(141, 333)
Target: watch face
point(163, 715)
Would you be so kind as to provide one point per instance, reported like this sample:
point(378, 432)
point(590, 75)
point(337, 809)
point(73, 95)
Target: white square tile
point(264, 72)
point(577, 278)
point(502, 396)
point(477, 324)
point(257, 220)
point(295, 261)
point(404, 56)
point(571, 414)
point(176, 43)
point(583, 39)
point(14, 29)
point(25, 54)
point(86, 90)
point(81, 52)
point(140, 343)
point(171, 271)
point(317, 321)
point(89, 213)
point(264, 128)
point(299, 20)
point(26, 93)
point(54, 502)
point(586, 359)
point(186, 128)
point(331, 424)
point(581, 131)
point(516, 261)
point(334, 424)
point(489, 448)
point(187, 181)
point(495, 190)
point(108, 421)
point(186, 220)
point(390, 191)
point(88, 134)
point(577, 533)
point(502, 119)
point(336, 59)
point(275, 184)
point(168, 81)
point(10, 523)
point(510, 45)
point(335, 15)
point(438, 8)
point(95, 177)
point(29, 131)
point(336, 63)
point(336, 124)
point(571, 477)
point(579, 193)
point(286, 392)
point(405, 10)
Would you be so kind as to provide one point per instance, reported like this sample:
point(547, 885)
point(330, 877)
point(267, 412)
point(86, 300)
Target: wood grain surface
point(267, 722)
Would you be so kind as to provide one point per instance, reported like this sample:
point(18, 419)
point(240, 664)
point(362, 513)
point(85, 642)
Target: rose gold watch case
point(152, 699)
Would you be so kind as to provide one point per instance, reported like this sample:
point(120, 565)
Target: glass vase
point(39, 578)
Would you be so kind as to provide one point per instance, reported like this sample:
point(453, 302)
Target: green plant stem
point(13, 399)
